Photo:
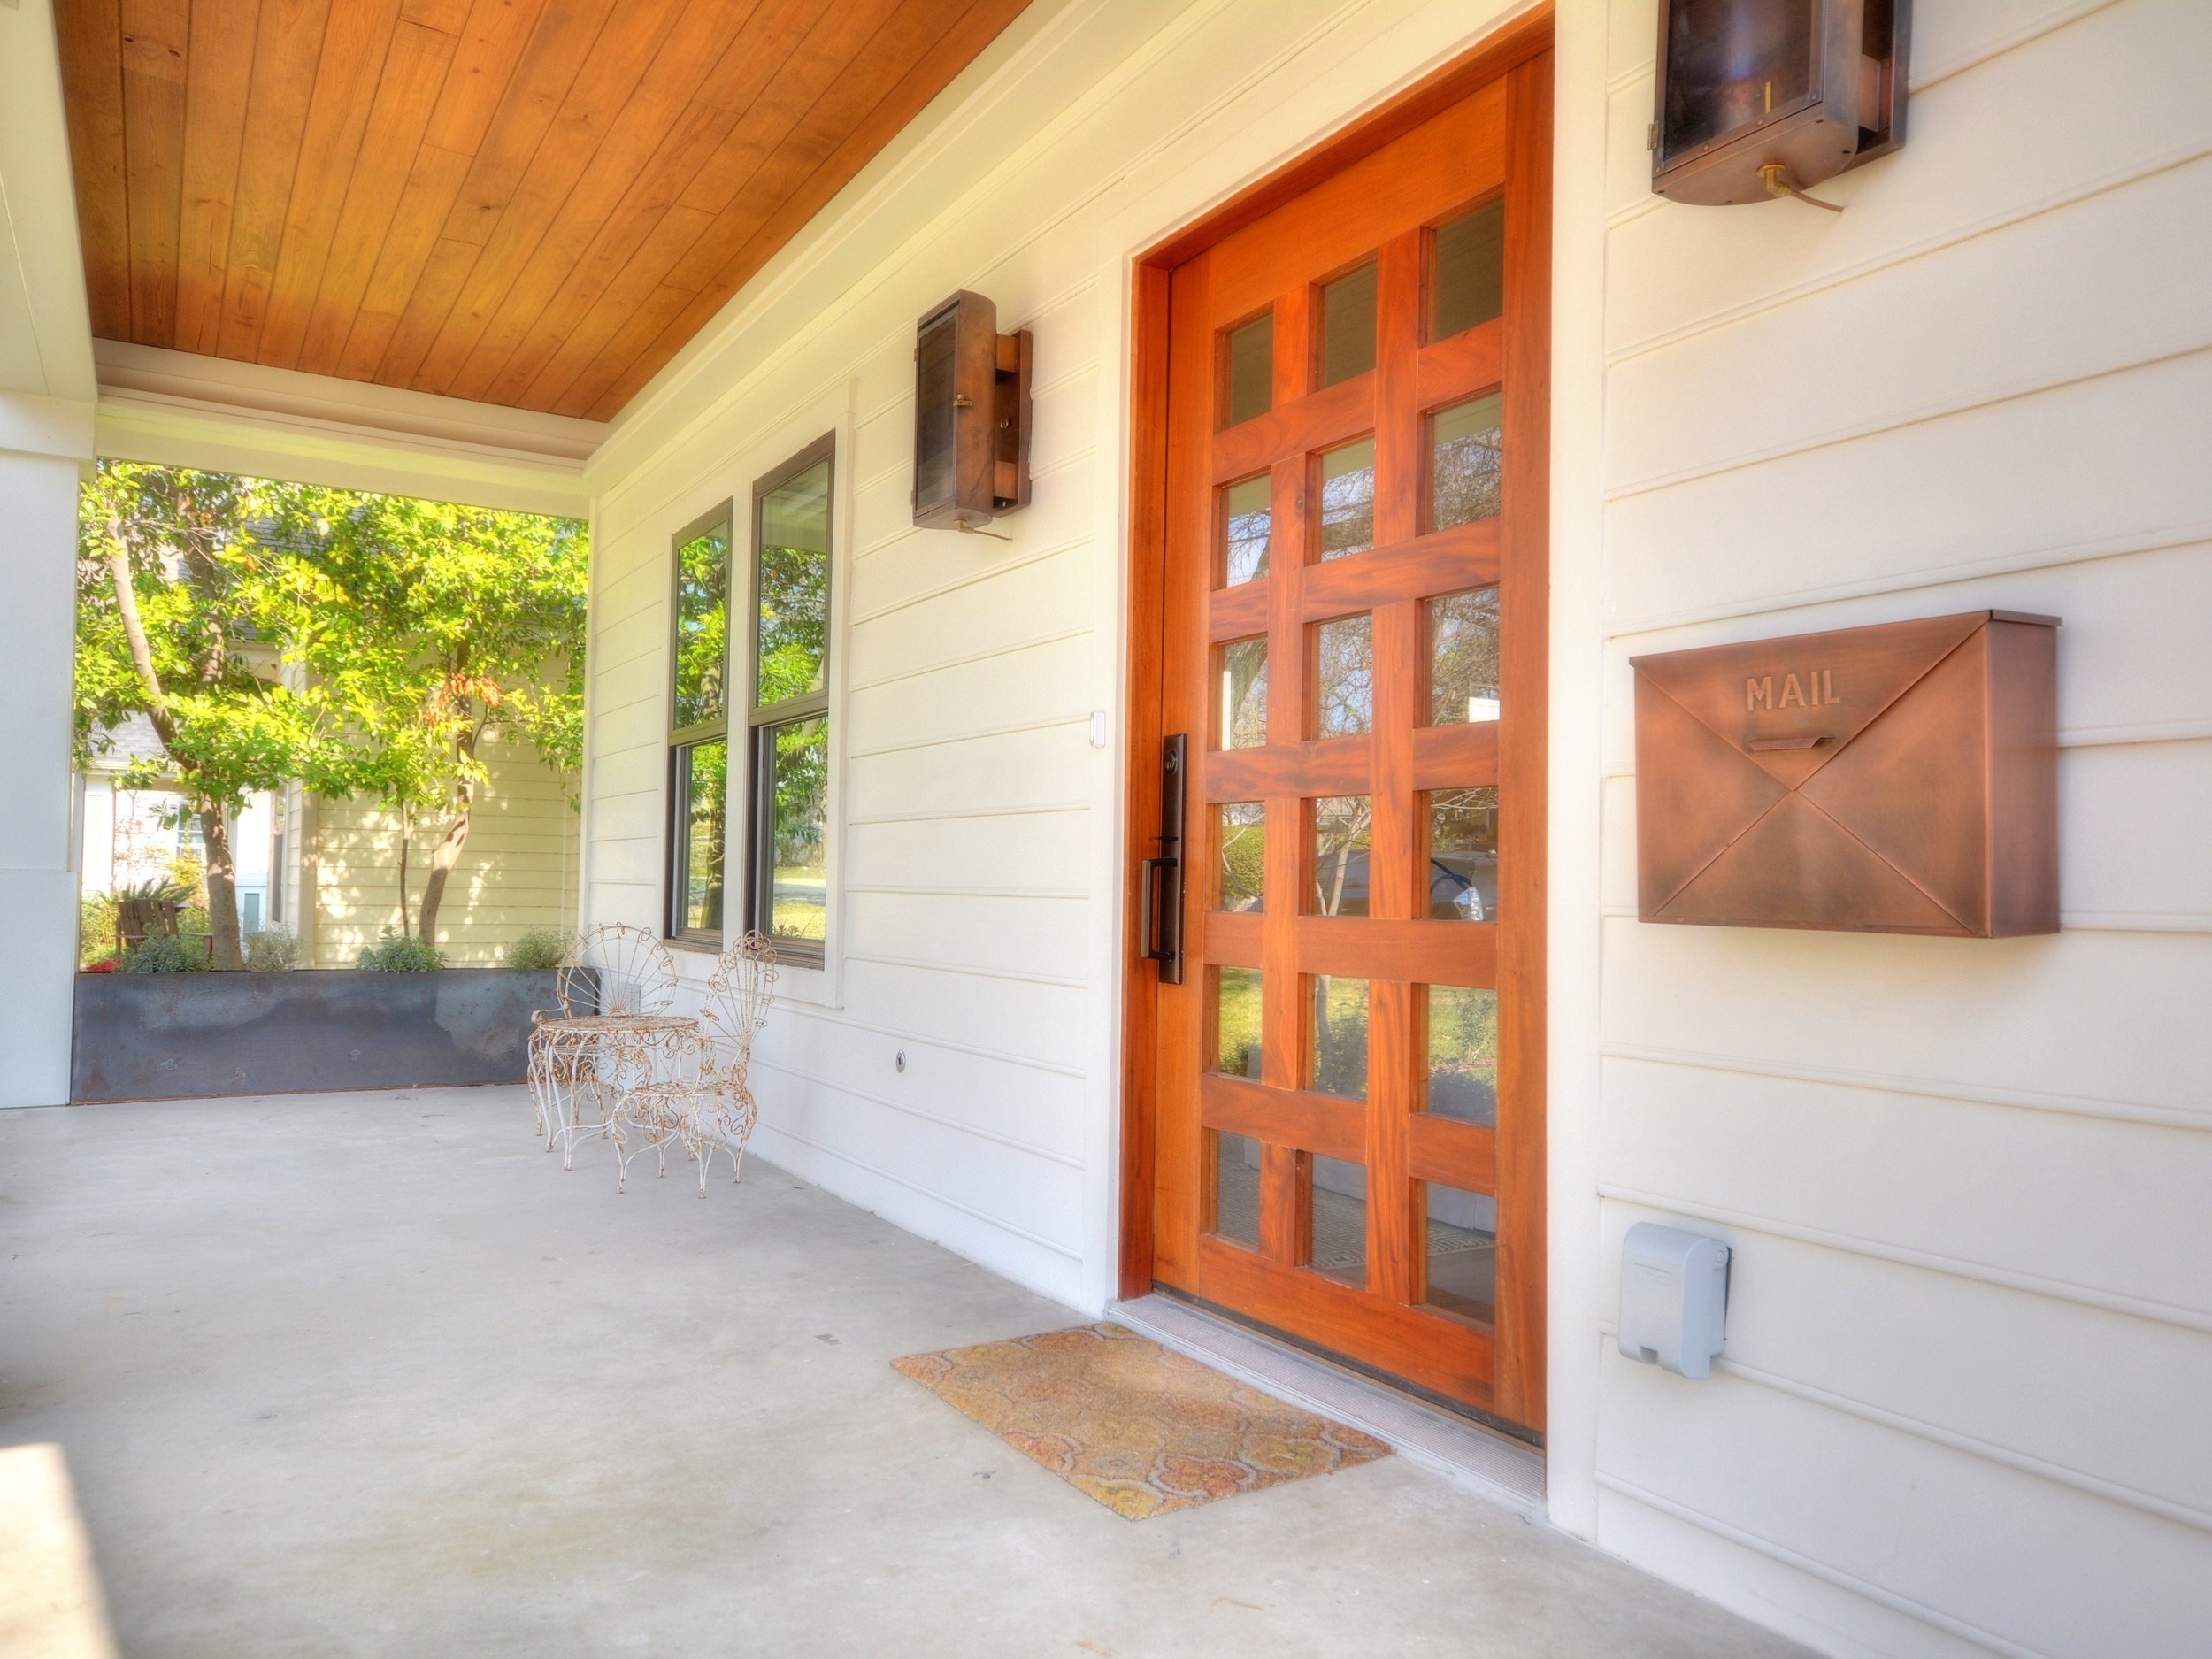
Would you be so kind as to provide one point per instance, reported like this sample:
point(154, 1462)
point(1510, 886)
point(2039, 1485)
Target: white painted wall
point(1971, 1338)
point(46, 391)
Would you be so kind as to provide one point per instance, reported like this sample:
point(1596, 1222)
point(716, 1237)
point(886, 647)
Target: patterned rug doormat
point(1142, 1430)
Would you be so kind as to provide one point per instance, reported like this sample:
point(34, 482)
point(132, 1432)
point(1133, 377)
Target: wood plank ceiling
point(532, 203)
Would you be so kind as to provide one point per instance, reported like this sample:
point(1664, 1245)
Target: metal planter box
point(168, 1036)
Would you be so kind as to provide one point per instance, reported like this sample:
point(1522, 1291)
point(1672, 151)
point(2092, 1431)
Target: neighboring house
point(336, 868)
point(328, 871)
point(135, 835)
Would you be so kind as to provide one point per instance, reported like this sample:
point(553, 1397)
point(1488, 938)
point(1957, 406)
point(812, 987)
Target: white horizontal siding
point(1970, 1308)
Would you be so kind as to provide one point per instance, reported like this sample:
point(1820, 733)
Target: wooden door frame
point(1522, 45)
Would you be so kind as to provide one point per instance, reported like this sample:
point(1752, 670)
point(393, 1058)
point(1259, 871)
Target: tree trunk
point(442, 860)
point(448, 853)
point(406, 840)
point(222, 887)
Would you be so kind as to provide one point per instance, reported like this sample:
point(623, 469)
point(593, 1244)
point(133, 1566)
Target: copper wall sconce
point(971, 416)
point(1895, 780)
point(1760, 98)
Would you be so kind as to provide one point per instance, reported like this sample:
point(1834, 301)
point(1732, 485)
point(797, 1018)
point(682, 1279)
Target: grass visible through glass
point(1236, 1022)
point(1337, 1036)
point(1463, 1054)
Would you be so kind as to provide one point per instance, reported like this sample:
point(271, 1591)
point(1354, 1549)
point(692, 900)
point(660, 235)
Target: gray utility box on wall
point(1674, 1298)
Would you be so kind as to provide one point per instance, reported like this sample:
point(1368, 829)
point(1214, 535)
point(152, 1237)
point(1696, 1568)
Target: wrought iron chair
point(614, 1030)
point(707, 1103)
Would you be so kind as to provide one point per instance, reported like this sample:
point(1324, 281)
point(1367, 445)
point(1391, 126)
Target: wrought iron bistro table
point(579, 1061)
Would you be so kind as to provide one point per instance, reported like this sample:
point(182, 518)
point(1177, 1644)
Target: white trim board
point(185, 410)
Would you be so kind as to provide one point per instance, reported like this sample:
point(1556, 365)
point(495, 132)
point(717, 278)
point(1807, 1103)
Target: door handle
point(1160, 881)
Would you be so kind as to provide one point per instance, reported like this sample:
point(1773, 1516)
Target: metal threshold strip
point(1500, 1467)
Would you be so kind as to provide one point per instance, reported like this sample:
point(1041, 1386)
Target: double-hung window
point(699, 732)
point(789, 713)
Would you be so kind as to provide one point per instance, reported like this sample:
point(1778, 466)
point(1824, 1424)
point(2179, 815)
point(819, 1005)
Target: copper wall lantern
point(1893, 780)
point(971, 416)
point(1759, 99)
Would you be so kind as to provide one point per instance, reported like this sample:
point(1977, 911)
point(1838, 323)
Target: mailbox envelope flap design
point(1834, 781)
point(1791, 705)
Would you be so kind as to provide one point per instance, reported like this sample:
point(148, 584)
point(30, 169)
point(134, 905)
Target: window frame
point(762, 719)
point(682, 739)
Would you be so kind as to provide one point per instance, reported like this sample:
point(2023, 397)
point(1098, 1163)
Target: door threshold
point(1503, 1468)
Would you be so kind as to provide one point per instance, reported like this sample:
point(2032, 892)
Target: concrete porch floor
point(368, 1374)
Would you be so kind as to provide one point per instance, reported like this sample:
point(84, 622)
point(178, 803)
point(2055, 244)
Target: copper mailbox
point(1895, 780)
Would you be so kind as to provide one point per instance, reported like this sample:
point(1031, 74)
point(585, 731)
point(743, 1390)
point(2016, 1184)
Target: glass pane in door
point(1240, 856)
point(1236, 1022)
point(1464, 460)
point(1246, 525)
point(1348, 499)
point(1237, 1188)
point(1344, 677)
point(1463, 1054)
point(1342, 825)
point(1336, 1036)
point(1464, 855)
point(1462, 632)
point(1462, 1251)
point(1467, 272)
point(1247, 370)
point(1347, 326)
point(1340, 1219)
point(1242, 713)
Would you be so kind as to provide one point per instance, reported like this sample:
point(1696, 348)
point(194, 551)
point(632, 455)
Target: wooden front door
point(1346, 1063)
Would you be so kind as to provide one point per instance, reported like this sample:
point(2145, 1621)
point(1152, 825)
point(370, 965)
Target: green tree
point(172, 600)
point(421, 626)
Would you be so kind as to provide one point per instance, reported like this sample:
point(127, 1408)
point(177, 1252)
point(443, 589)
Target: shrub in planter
point(270, 950)
point(164, 953)
point(95, 928)
point(400, 953)
point(540, 948)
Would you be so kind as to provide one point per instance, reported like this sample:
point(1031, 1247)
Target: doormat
point(1123, 1420)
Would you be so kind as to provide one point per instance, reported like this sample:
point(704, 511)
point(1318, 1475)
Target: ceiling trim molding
point(182, 410)
point(388, 412)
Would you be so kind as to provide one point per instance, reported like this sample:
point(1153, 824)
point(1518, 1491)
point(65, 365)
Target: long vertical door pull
point(1160, 888)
